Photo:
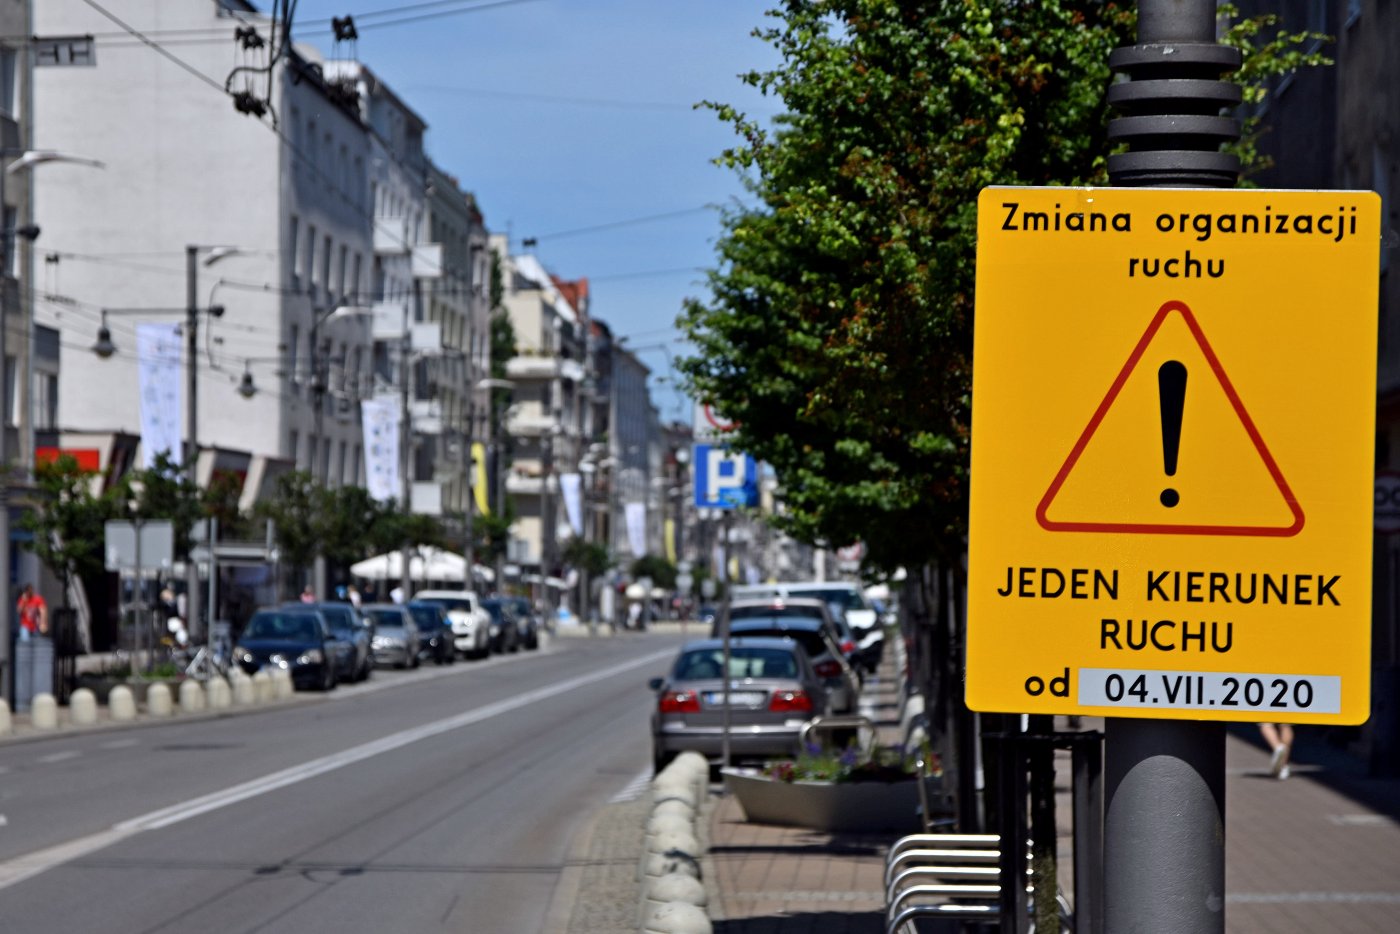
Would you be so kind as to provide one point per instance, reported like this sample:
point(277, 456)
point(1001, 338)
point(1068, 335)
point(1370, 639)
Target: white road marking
point(632, 789)
point(120, 744)
point(24, 867)
point(60, 756)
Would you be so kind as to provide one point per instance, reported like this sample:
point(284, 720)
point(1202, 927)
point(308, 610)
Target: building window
point(8, 61)
point(293, 351)
point(356, 288)
point(310, 258)
point(344, 269)
point(58, 51)
point(294, 251)
point(295, 443)
point(46, 402)
point(326, 262)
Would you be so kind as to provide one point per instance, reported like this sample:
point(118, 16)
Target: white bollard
point(243, 695)
point(121, 705)
point(158, 703)
point(678, 918)
point(217, 695)
point(674, 807)
point(6, 721)
point(263, 688)
point(672, 887)
point(684, 793)
point(43, 712)
point(282, 680)
point(660, 823)
point(191, 696)
point(82, 707)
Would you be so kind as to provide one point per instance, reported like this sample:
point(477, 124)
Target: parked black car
point(505, 626)
point(294, 638)
point(355, 659)
point(434, 632)
point(529, 621)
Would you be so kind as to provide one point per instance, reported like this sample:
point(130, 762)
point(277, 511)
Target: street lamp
point(23, 160)
point(105, 348)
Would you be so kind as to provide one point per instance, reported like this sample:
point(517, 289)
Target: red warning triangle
point(1113, 513)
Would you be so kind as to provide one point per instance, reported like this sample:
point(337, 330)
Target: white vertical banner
point(158, 354)
point(637, 528)
point(571, 486)
point(381, 427)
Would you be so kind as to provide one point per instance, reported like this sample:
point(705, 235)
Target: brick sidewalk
point(1319, 852)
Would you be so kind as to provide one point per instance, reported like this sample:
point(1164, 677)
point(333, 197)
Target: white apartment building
point(545, 415)
point(268, 218)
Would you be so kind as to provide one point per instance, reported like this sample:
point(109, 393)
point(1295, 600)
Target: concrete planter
point(830, 806)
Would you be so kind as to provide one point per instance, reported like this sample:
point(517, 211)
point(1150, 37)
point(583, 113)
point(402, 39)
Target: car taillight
point(790, 702)
point(680, 702)
point(830, 669)
point(847, 647)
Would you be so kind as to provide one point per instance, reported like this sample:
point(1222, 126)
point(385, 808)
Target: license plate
point(736, 698)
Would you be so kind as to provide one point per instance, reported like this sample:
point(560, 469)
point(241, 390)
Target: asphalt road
point(437, 800)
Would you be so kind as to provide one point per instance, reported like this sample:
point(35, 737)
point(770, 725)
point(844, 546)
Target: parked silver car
point(773, 693)
point(809, 623)
point(396, 640)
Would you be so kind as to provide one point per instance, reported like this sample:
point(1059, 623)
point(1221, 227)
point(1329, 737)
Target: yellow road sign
point(1173, 453)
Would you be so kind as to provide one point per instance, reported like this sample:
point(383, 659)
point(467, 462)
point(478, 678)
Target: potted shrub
point(849, 790)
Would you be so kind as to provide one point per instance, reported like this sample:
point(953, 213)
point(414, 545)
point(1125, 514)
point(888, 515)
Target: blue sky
point(562, 115)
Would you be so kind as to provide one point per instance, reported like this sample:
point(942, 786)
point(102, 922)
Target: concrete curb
point(673, 896)
point(46, 720)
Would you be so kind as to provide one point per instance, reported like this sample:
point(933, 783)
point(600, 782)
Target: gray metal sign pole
point(1164, 820)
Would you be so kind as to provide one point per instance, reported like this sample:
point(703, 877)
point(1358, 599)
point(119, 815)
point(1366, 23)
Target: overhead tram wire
point(646, 219)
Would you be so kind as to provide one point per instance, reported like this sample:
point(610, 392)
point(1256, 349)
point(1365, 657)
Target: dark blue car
point(294, 639)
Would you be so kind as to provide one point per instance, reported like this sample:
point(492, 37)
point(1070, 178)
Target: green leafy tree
point(164, 491)
point(591, 558)
point(661, 571)
point(294, 509)
point(68, 522)
point(838, 332)
point(347, 515)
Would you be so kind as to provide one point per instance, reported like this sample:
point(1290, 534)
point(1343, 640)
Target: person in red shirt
point(33, 613)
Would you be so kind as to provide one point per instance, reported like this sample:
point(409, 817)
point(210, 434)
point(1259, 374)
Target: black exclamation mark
point(1171, 388)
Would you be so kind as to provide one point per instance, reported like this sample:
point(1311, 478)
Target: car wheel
point(327, 677)
point(415, 662)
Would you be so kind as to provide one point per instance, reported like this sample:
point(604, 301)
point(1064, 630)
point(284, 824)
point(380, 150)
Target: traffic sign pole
point(1164, 780)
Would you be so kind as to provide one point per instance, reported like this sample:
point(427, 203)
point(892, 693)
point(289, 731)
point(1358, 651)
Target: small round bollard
point(678, 842)
point(684, 793)
point(6, 721)
point(675, 808)
point(121, 704)
point(191, 696)
point(217, 694)
point(243, 695)
point(660, 823)
point(282, 680)
point(82, 707)
point(654, 865)
point(679, 918)
point(263, 688)
point(158, 702)
point(678, 887)
point(43, 712)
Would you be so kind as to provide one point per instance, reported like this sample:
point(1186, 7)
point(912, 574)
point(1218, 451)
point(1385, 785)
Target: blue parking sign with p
point(724, 479)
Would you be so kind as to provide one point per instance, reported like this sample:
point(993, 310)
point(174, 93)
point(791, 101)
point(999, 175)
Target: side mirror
point(655, 684)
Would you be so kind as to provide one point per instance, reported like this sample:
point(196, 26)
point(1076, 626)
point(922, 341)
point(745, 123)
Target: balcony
point(526, 369)
point(530, 425)
point(390, 237)
point(388, 320)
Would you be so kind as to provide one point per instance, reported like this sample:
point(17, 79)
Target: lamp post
point(23, 159)
point(104, 348)
point(318, 415)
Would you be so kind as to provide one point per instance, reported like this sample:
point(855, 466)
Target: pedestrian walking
point(308, 595)
point(354, 596)
point(1279, 736)
point(33, 614)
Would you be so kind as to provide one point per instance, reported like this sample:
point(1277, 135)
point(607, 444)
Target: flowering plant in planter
point(877, 764)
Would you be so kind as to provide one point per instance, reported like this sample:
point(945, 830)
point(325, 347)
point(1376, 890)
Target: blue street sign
point(724, 479)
